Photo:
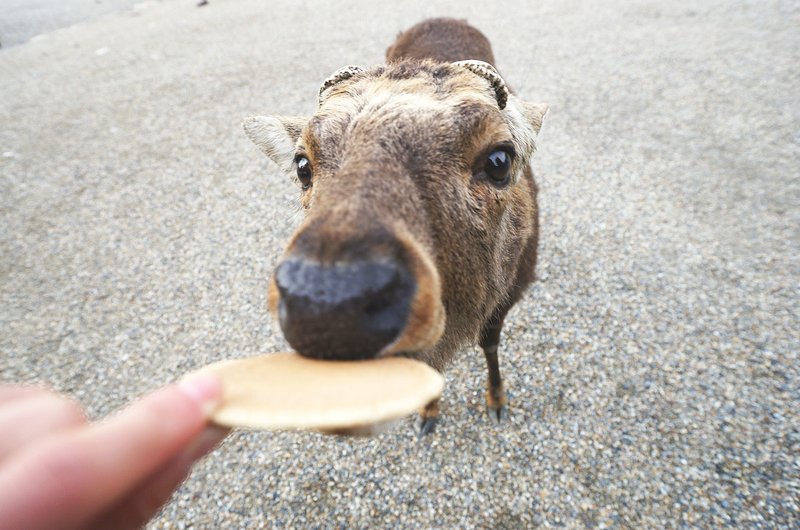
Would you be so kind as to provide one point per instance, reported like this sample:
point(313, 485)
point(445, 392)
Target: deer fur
point(397, 151)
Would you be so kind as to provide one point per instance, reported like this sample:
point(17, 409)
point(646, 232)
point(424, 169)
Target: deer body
point(421, 222)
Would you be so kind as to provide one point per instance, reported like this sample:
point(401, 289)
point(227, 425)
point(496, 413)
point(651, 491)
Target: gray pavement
point(653, 369)
point(21, 20)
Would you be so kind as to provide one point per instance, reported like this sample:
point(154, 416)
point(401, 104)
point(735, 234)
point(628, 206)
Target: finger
point(13, 392)
point(148, 498)
point(34, 415)
point(69, 479)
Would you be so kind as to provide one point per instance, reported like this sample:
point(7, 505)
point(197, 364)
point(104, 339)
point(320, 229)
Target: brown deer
point(421, 221)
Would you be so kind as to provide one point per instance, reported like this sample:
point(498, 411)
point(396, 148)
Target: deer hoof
point(497, 414)
point(426, 425)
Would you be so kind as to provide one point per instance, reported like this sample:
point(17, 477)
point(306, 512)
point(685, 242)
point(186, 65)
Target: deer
point(421, 223)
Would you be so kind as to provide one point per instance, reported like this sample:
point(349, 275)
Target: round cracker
point(287, 391)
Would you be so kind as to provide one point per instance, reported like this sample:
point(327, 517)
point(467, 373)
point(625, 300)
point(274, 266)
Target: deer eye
point(303, 171)
point(497, 165)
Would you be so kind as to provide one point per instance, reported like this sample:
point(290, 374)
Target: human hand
point(59, 471)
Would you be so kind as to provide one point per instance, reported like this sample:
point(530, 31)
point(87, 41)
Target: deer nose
point(343, 311)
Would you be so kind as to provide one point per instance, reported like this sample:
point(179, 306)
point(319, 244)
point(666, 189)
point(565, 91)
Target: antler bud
point(340, 75)
point(488, 72)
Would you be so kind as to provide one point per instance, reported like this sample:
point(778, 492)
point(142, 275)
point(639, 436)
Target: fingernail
point(205, 390)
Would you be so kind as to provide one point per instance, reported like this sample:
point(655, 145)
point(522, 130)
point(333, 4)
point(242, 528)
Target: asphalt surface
point(21, 20)
point(652, 369)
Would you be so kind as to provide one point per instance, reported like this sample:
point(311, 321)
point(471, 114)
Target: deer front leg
point(428, 418)
point(496, 402)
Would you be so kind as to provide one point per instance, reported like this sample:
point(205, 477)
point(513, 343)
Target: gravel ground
point(653, 368)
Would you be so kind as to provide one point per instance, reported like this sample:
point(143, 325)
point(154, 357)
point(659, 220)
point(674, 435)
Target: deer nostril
point(347, 310)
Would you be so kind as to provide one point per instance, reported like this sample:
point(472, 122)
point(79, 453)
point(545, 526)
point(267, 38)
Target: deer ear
point(276, 136)
point(534, 114)
point(525, 122)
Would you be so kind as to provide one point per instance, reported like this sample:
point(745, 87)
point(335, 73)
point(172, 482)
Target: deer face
point(411, 177)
